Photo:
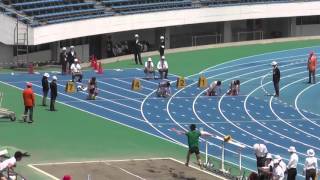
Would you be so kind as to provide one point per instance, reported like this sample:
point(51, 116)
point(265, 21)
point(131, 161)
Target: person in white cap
point(162, 46)
point(137, 49)
point(63, 60)
point(261, 151)
point(276, 77)
point(277, 173)
point(45, 88)
point(268, 167)
point(163, 67)
point(292, 164)
point(282, 164)
point(76, 70)
point(72, 55)
point(149, 68)
point(54, 93)
point(310, 165)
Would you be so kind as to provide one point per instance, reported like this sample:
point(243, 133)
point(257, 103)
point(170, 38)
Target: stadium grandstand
point(135, 125)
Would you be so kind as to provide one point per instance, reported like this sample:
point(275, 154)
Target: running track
point(252, 117)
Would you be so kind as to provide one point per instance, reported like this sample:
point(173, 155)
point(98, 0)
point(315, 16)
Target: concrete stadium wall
point(56, 32)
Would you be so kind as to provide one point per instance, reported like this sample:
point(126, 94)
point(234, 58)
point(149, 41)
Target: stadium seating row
point(57, 11)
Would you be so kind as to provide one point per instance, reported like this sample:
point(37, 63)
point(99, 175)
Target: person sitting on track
point(214, 89)
point(76, 70)
point(234, 88)
point(10, 163)
point(92, 89)
point(149, 68)
point(164, 89)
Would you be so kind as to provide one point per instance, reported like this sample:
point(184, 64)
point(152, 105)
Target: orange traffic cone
point(31, 70)
point(100, 68)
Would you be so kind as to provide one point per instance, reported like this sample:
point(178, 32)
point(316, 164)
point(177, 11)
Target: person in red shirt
point(29, 102)
point(312, 66)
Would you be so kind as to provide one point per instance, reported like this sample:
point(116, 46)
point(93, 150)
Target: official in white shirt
point(310, 165)
point(261, 153)
point(163, 68)
point(282, 164)
point(76, 70)
point(292, 164)
point(277, 173)
point(149, 68)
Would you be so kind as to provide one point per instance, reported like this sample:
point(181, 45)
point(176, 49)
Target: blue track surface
point(252, 117)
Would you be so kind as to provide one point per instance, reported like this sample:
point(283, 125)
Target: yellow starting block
point(181, 82)
point(70, 87)
point(202, 82)
point(136, 85)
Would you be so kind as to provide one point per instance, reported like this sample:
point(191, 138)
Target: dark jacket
point(71, 58)
point(63, 58)
point(136, 47)
point(45, 84)
point(276, 75)
point(53, 89)
point(161, 49)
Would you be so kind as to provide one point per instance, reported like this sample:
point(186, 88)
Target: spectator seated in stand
point(164, 89)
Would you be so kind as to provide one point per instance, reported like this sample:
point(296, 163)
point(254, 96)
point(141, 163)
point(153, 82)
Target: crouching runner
point(164, 89)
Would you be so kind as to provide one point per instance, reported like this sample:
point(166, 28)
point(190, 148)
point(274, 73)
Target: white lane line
point(95, 105)
point(297, 98)
point(271, 130)
point(194, 101)
point(134, 92)
point(256, 55)
point(124, 97)
point(129, 83)
point(272, 110)
point(103, 117)
point(43, 172)
point(104, 99)
point(124, 170)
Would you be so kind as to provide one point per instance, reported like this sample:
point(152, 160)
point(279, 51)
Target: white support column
point(293, 27)
point(167, 37)
point(227, 32)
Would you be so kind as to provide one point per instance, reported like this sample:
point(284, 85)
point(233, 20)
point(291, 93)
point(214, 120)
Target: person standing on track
point(64, 60)
point(72, 55)
point(54, 93)
point(137, 49)
point(276, 78)
point(261, 152)
point(292, 164)
point(310, 165)
point(162, 46)
point(29, 102)
point(45, 88)
point(193, 143)
point(312, 66)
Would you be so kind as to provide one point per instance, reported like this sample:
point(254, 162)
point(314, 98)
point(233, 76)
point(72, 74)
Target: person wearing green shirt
point(193, 142)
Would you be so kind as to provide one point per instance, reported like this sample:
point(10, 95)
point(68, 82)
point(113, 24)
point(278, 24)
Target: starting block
point(181, 82)
point(136, 85)
point(70, 87)
point(202, 82)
